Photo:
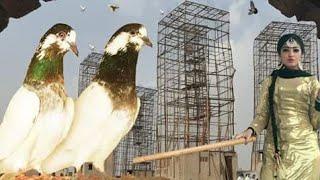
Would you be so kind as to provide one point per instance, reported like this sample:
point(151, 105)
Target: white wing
point(50, 132)
point(69, 115)
point(18, 120)
point(91, 111)
point(121, 122)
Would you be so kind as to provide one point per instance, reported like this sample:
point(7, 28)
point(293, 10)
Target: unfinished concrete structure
point(266, 59)
point(195, 92)
point(139, 141)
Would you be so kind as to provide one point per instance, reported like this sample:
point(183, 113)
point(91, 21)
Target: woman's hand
point(246, 134)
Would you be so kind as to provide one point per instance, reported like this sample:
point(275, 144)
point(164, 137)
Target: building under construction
point(88, 68)
point(266, 59)
point(195, 92)
point(139, 141)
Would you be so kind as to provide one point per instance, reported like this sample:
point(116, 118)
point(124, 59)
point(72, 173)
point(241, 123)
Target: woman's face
point(291, 54)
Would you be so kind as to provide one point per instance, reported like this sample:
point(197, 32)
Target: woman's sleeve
point(314, 106)
point(261, 119)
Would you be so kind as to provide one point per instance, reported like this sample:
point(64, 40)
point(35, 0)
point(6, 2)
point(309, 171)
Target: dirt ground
point(79, 177)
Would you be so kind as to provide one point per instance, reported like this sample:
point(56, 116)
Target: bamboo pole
point(180, 152)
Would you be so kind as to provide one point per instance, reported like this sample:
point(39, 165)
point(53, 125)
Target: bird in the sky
point(253, 9)
point(82, 8)
point(113, 7)
point(92, 47)
point(40, 113)
point(107, 109)
point(161, 12)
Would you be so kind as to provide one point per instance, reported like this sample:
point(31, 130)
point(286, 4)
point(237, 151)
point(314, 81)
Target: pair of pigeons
point(46, 130)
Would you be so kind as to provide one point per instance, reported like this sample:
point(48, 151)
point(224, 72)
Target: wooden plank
point(180, 152)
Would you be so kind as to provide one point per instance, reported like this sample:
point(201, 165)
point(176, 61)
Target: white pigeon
point(161, 12)
point(92, 47)
point(39, 115)
point(82, 8)
point(107, 109)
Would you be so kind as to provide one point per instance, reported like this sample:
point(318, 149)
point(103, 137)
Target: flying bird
point(161, 12)
point(253, 9)
point(107, 109)
point(40, 113)
point(82, 8)
point(92, 47)
point(113, 7)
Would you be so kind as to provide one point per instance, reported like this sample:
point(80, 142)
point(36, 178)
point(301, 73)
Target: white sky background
point(20, 39)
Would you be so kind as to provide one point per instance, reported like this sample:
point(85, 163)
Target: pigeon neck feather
point(119, 71)
point(46, 70)
point(119, 68)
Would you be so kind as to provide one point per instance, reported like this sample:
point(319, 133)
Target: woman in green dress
point(289, 109)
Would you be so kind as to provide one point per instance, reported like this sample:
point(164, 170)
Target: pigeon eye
point(132, 33)
point(62, 34)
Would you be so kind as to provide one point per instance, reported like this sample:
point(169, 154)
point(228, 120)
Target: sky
point(97, 23)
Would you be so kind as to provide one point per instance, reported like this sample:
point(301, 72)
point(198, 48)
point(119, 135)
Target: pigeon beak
point(74, 49)
point(147, 41)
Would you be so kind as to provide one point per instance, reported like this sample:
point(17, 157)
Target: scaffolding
point(194, 78)
point(140, 140)
point(266, 59)
point(88, 69)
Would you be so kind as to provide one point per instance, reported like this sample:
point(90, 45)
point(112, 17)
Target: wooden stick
point(191, 150)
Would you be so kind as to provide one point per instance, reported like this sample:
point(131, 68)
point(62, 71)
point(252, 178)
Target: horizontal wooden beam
point(180, 152)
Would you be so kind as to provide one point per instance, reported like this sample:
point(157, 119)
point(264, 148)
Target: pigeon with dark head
point(253, 9)
point(40, 113)
point(107, 109)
